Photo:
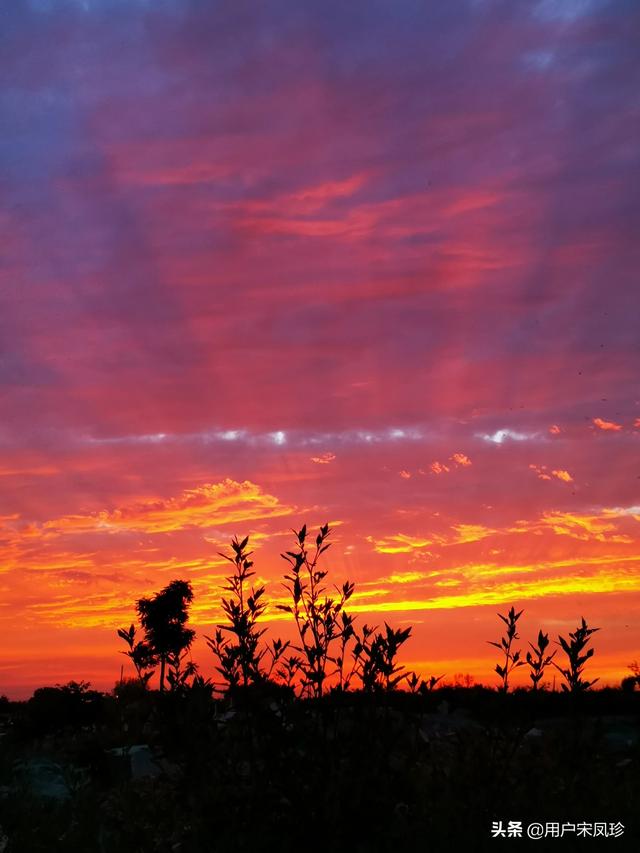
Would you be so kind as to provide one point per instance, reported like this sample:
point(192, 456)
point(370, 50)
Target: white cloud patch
point(506, 434)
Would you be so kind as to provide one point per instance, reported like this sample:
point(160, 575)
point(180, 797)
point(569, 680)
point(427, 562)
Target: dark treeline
point(321, 742)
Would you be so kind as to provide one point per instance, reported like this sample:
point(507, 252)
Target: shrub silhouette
point(321, 621)
point(375, 656)
point(511, 658)
point(630, 682)
point(140, 653)
point(573, 648)
point(240, 659)
point(325, 630)
point(539, 660)
point(421, 685)
point(326, 637)
point(163, 618)
point(180, 668)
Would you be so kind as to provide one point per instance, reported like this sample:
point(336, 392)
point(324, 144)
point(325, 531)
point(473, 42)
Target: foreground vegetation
point(181, 771)
point(322, 743)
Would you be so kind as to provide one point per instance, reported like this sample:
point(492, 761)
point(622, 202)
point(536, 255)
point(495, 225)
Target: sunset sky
point(372, 263)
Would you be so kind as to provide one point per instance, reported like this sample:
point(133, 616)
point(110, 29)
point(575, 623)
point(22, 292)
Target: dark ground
point(140, 771)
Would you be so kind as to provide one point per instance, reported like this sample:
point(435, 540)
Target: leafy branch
point(319, 618)
point(574, 649)
point(511, 658)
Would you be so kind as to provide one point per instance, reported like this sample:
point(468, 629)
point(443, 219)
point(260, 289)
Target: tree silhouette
point(163, 618)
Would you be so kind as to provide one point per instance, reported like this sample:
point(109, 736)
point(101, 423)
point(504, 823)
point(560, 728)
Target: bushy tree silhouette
point(163, 618)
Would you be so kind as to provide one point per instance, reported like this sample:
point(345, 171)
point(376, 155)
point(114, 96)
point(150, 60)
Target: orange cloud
point(398, 578)
point(405, 474)
point(461, 459)
point(399, 543)
point(599, 528)
point(504, 593)
point(563, 475)
point(540, 471)
point(558, 473)
point(471, 532)
point(324, 459)
point(218, 503)
point(438, 468)
point(607, 426)
point(38, 471)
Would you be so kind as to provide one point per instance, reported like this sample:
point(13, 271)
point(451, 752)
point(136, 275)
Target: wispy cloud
point(500, 436)
point(324, 458)
point(205, 506)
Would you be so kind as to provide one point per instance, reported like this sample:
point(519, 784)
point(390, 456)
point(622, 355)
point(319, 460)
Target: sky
point(371, 263)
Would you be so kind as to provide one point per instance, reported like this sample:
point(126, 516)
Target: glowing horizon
point(370, 265)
